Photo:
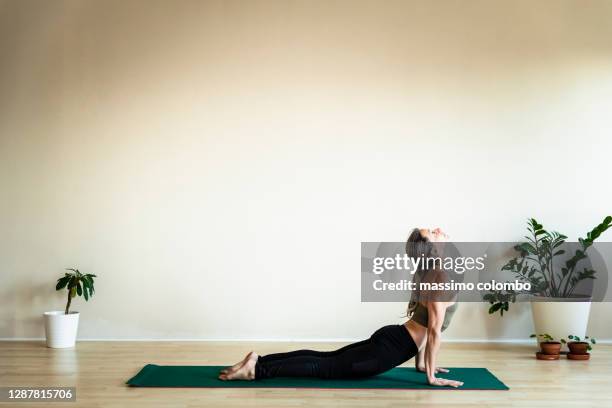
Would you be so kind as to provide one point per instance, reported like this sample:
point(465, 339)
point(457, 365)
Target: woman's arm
point(419, 359)
point(436, 312)
point(419, 362)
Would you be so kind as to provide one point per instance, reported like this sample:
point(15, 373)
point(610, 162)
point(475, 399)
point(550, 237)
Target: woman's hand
point(442, 382)
point(437, 371)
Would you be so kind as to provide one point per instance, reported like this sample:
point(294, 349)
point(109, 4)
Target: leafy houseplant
point(535, 265)
point(548, 345)
point(61, 326)
point(77, 284)
point(578, 345)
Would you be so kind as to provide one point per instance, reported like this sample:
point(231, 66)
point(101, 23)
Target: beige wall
point(218, 163)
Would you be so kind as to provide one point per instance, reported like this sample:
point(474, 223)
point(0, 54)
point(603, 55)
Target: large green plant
point(535, 265)
point(77, 284)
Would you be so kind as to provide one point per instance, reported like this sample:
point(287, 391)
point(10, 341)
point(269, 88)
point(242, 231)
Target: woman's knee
point(366, 368)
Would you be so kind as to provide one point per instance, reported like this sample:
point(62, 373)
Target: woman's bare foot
point(236, 366)
point(245, 372)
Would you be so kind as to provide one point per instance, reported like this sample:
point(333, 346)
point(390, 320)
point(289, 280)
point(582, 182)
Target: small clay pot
point(578, 347)
point(550, 347)
point(548, 357)
point(571, 356)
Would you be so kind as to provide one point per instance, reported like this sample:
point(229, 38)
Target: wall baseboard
point(333, 340)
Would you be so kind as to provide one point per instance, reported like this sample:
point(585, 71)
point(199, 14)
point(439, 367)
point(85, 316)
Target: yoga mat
point(400, 378)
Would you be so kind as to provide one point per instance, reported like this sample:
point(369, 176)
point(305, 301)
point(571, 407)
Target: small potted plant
point(549, 348)
point(579, 348)
point(61, 326)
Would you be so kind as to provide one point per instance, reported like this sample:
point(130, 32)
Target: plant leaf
point(494, 308)
point(62, 282)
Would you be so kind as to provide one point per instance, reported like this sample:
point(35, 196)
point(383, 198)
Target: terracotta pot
point(550, 347)
point(549, 357)
point(571, 356)
point(578, 347)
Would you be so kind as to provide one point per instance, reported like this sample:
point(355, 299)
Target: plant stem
point(542, 268)
point(571, 272)
point(567, 278)
point(68, 304)
point(554, 290)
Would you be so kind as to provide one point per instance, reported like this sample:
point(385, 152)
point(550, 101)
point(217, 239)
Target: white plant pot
point(61, 329)
point(562, 317)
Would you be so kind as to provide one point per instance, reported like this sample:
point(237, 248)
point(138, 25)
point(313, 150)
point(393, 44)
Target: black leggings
point(388, 347)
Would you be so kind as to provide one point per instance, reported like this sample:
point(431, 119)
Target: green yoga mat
point(400, 378)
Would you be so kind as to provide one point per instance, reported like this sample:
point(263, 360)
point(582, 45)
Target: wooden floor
point(100, 369)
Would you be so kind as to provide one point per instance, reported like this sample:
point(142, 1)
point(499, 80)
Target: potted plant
point(579, 349)
point(556, 307)
point(549, 348)
point(61, 326)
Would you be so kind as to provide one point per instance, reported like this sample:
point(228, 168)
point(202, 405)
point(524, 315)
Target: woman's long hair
point(417, 246)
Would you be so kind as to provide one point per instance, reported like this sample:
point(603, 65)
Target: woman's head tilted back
point(421, 242)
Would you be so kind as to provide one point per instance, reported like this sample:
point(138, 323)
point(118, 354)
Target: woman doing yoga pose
point(388, 347)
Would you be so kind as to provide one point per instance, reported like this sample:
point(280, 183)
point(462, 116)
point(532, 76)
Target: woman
point(388, 347)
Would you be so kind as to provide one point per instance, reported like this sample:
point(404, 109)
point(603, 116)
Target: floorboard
point(99, 370)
